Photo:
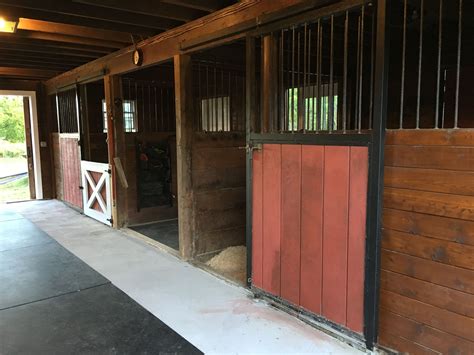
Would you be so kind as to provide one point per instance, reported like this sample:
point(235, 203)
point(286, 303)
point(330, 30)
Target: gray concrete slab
point(21, 233)
point(165, 232)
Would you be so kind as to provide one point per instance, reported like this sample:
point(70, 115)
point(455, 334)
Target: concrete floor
point(165, 232)
point(213, 315)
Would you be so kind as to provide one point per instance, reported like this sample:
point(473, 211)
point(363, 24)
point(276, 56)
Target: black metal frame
point(374, 140)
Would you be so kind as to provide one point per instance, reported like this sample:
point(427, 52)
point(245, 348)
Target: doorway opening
point(218, 160)
point(151, 167)
point(20, 178)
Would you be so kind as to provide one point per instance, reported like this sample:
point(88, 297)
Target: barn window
point(215, 113)
point(129, 115)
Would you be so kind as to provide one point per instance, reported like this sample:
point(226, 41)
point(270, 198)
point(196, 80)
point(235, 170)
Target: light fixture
point(8, 26)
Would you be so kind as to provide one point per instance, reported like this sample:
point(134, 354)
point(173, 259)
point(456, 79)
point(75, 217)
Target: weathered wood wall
point(218, 176)
point(308, 238)
point(58, 172)
point(427, 276)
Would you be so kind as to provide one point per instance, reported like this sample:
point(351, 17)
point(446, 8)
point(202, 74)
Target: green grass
point(15, 191)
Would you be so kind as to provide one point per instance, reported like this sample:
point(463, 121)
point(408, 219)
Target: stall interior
point(218, 160)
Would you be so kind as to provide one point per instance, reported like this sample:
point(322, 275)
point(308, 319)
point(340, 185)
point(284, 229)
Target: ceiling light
point(7, 26)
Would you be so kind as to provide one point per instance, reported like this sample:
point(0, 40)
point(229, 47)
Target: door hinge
point(110, 220)
point(81, 187)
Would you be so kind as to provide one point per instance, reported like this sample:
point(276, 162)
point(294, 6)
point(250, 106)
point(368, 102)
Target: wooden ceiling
point(55, 36)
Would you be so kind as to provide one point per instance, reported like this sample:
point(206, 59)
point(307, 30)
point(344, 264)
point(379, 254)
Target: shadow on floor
point(165, 232)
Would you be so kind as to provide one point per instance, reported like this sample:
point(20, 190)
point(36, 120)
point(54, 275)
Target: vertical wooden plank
point(312, 182)
point(290, 222)
point(257, 221)
point(271, 217)
point(184, 132)
point(356, 247)
point(336, 198)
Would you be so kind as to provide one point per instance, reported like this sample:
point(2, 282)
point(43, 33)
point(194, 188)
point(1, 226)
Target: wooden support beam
point(238, 18)
point(27, 72)
point(184, 133)
point(116, 146)
point(89, 12)
point(53, 37)
point(269, 77)
point(149, 7)
point(73, 30)
point(204, 5)
point(17, 12)
point(14, 55)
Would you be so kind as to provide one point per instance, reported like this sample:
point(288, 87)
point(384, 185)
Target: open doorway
point(19, 161)
point(150, 164)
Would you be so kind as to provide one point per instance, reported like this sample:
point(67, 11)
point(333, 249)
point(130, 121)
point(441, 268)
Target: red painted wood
point(290, 222)
point(357, 231)
point(271, 217)
point(312, 227)
point(257, 219)
point(336, 197)
point(71, 171)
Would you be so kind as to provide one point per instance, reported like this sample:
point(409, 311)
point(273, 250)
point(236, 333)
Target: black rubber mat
point(51, 302)
point(164, 232)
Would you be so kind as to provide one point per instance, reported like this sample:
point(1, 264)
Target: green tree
point(12, 123)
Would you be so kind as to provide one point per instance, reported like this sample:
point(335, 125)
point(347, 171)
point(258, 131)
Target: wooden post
point(269, 80)
point(184, 134)
point(116, 146)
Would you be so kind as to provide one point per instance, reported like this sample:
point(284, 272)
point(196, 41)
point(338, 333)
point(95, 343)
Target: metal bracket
point(81, 187)
point(251, 147)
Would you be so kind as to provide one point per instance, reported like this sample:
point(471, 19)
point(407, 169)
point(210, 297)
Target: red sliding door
point(308, 234)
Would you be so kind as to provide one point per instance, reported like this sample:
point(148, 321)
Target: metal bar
point(208, 102)
point(305, 63)
point(200, 97)
point(215, 100)
point(293, 81)
point(361, 71)
point(162, 110)
point(372, 65)
point(156, 112)
point(298, 83)
point(344, 97)
point(420, 61)
point(350, 139)
point(149, 106)
point(318, 92)
point(168, 110)
point(331, 79)
point(222, 100)
point(310, 102)
point(438, 72)
point(229, 124)
point(458, 68)
point(376, 177)
point(402, 87)
point(357, 103)
point(281, 89)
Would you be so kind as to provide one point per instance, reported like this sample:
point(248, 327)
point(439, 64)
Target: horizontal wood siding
point(218, 175)
point(427, 276)
point(308, 238)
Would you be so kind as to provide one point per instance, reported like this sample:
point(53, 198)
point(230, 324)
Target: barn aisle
point(213, 315)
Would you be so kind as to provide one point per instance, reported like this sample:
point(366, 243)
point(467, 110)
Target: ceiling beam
point(16, 12)
point(55, 47)
point(203, 5)
point(27, 72)
point(41, 57)
point(19, 64)
point(149, 7)
point(73, 30)
point(68, 39)
point(85, 11)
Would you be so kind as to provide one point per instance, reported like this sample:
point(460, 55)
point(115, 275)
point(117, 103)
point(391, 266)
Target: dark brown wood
point(204, 5)
point(443, 228)
point(430, 271)
point(400, 344)
point(29, 146)
point(442, 297)
point(27, 73)
point(184, 134)
point(432, 180)
point(54, 37)
point(428, 248)
point(421, 335)
point(430, 157)
point(435, 317)
point(444, 205)
point(269, 82)
point(453, 137)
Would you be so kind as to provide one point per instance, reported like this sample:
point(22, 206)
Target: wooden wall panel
point(71, 170)
point(335, 232)
point(219, 192)
point(309, 214)
point(427, 277)
point(312, 183)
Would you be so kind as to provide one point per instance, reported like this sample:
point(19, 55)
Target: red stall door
point(308, 236)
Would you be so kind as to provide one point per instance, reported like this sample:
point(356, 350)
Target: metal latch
point(251, 147)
